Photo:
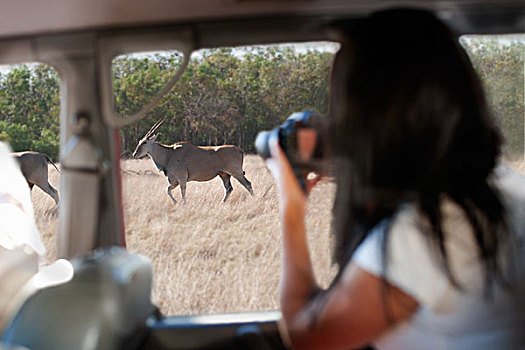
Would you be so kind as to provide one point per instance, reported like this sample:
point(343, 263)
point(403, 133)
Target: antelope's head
point(144, 145)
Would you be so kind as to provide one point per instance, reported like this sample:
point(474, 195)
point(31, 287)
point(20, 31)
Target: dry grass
point(208, 256)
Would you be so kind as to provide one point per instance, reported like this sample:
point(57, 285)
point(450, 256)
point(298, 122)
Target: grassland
point(207, 256)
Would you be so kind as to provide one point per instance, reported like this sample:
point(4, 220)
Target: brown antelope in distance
point(183, 162)
point(34, 169)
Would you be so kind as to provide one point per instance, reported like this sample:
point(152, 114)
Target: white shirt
point(449, 318)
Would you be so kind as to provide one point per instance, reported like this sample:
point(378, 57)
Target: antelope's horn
point(154, 128)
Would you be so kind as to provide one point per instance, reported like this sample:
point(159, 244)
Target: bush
point(21, 139)
point(17, 135)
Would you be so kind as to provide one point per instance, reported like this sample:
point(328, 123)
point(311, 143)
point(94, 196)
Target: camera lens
point(261, 144)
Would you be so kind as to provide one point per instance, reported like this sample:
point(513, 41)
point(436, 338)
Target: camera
point(305, 154)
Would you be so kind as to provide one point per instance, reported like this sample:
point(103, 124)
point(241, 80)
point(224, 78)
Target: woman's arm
point(297, 278)
point(352, 313)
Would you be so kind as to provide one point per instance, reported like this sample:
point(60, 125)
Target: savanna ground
point(208, 256)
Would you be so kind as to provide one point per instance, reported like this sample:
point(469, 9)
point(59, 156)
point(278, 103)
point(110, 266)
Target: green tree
point(229, 95)
point(499, 61)
point(226, 95)
point(29, 108)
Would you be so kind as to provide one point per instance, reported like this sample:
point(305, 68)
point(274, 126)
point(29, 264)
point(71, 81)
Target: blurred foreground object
point(105, 306)
point(17, 224)
point(20, 244)
point(99, 301)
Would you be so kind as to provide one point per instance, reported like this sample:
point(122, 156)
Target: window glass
point(209, 256)
point(499, 61)
point(29, 121)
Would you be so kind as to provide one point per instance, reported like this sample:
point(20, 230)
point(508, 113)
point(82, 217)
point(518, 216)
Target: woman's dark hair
point(412, 125)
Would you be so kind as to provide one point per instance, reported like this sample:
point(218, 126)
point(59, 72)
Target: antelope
point(34, 169)
point(183, 162)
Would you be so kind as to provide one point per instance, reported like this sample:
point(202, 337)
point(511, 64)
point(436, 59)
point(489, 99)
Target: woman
point(428, 232)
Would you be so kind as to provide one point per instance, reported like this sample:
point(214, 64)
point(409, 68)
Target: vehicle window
point(499, 61)
point(210, 256)
point(29, 121)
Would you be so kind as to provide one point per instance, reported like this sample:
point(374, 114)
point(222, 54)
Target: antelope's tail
point(50, 161)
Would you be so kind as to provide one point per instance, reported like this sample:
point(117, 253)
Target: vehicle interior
point(107, 304)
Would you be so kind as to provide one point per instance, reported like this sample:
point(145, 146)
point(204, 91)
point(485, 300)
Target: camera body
point(289, 139)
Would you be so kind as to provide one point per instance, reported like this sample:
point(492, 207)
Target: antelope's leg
point(183, 191)
point(228, 188)
point(173, 183)
point(244, 181)
point(47, 188)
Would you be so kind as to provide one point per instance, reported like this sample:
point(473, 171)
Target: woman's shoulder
point(508, 175)
point(510, 183)
point(511, 187)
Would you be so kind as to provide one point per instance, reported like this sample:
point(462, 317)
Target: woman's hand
point(291, 195)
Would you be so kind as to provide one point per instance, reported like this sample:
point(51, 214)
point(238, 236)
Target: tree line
point(226, 96)
point(223, 97)
point(29, 108)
